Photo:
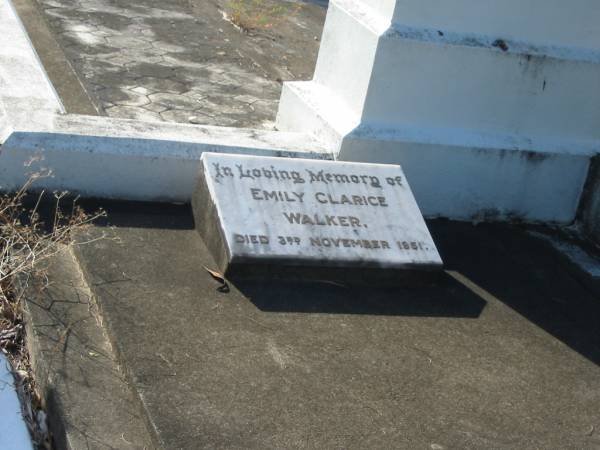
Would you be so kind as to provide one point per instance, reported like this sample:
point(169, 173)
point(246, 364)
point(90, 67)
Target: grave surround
point(471, 174)
point(262, 211)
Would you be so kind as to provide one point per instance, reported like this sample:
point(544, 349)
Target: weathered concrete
point(458, 173)
point(128, 159)
point(476, 98)
point(106, 157)
point(183, 61)
point(583, 261)
point(90, 405)
point(504, 354)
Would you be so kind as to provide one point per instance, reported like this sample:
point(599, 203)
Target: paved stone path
point(183, 62)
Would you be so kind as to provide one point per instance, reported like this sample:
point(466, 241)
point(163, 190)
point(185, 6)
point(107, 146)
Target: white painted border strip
point(132, 160)
point(14, 434)
point(24, 83)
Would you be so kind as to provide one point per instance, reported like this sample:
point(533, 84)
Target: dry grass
point(25, 242)
point(252, 15)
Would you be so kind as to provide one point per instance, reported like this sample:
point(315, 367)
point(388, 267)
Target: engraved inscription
point(290, 208)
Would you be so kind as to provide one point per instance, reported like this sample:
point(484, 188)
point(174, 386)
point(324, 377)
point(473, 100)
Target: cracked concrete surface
point(181, 61)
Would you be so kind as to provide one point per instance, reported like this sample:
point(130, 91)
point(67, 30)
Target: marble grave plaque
point(256, 212)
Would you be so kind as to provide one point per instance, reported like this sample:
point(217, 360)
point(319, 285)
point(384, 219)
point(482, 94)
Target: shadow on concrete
point(168, 216)
point(447, 298)
point(495, 262)
point(526, 275)
point(132, 214)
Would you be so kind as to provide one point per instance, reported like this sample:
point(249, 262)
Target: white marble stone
point(315, 213)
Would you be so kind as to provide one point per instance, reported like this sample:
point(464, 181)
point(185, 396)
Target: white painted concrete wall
point(572, 23)
point(478, 183)
point(440, 87)
point(435, 83)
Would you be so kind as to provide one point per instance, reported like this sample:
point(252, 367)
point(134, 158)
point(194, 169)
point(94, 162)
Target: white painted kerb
point(127, 159)
point(14, 434)
point(24, 86)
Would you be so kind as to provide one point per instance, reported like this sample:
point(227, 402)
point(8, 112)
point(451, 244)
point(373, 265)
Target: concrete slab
point(187, 50)
point(90, 405)
point(504, 354)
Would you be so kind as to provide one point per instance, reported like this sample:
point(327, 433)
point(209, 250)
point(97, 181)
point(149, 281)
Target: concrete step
point(324, 115)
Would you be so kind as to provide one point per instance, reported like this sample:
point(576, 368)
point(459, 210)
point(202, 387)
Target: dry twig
point(25, 242)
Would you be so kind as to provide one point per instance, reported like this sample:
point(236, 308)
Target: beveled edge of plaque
point(208, 222)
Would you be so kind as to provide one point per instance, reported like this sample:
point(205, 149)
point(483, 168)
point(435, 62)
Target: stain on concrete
point(501, 44)
point(181, 62)
point(486, 215)
point(535, 157)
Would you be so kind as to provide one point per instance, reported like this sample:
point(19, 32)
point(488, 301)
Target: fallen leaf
point(220, 278)
point(216, 275)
